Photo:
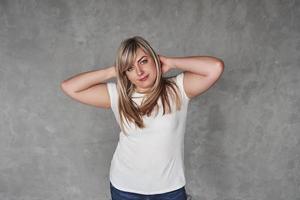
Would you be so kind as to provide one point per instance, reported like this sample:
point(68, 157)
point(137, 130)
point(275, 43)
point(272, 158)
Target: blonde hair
point(162, 88)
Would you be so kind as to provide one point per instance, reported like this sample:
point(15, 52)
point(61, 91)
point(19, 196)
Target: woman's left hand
point(165, 63)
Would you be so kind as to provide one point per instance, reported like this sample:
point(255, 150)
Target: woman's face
point(143, 72)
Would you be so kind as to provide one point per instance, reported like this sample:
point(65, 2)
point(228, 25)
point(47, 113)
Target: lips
point(144, 78)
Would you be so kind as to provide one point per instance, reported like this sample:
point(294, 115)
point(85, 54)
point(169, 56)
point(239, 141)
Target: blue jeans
point(116, 194)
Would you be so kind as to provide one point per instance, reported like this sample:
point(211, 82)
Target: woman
point(151, 110)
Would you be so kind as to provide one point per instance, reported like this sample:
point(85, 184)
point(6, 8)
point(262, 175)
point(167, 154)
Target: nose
point(139, 71)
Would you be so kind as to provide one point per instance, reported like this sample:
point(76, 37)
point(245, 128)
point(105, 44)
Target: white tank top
point(150, 160)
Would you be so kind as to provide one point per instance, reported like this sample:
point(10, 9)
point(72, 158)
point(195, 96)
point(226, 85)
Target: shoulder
point(112, 88)
point(173, 78)
point(178, 79)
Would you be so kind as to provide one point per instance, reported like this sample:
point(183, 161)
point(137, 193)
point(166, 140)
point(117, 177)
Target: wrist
point(171, 63)
point(111, 71)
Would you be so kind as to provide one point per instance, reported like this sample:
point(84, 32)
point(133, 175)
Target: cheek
point(130, 78)
point(154, 70)
point(152, 67)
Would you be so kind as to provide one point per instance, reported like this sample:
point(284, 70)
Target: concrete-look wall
point(242, 136)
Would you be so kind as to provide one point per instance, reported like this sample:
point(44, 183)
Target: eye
point(129, 69)
point(144, 61)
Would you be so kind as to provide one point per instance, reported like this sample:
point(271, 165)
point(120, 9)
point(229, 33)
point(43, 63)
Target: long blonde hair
point(128, 109)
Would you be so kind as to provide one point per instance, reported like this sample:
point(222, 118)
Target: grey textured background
point(242, 140)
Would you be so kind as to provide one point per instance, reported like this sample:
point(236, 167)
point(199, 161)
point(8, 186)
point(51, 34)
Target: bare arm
point(90, 87)
point(200, 72)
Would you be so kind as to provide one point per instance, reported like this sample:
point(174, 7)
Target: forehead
point(139, 53)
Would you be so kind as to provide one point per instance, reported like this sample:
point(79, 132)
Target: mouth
point(144, 78)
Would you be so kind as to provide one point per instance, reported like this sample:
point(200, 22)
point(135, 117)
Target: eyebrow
point(141, 58)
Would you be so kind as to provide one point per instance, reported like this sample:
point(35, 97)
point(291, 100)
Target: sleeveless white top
point(150, 160)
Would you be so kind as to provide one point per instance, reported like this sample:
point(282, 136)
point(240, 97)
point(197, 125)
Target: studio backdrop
point(242, 138)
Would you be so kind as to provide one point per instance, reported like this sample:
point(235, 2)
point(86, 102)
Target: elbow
point(67, 88)
point(63, 87)
point(218, 69)
point(220, 66)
